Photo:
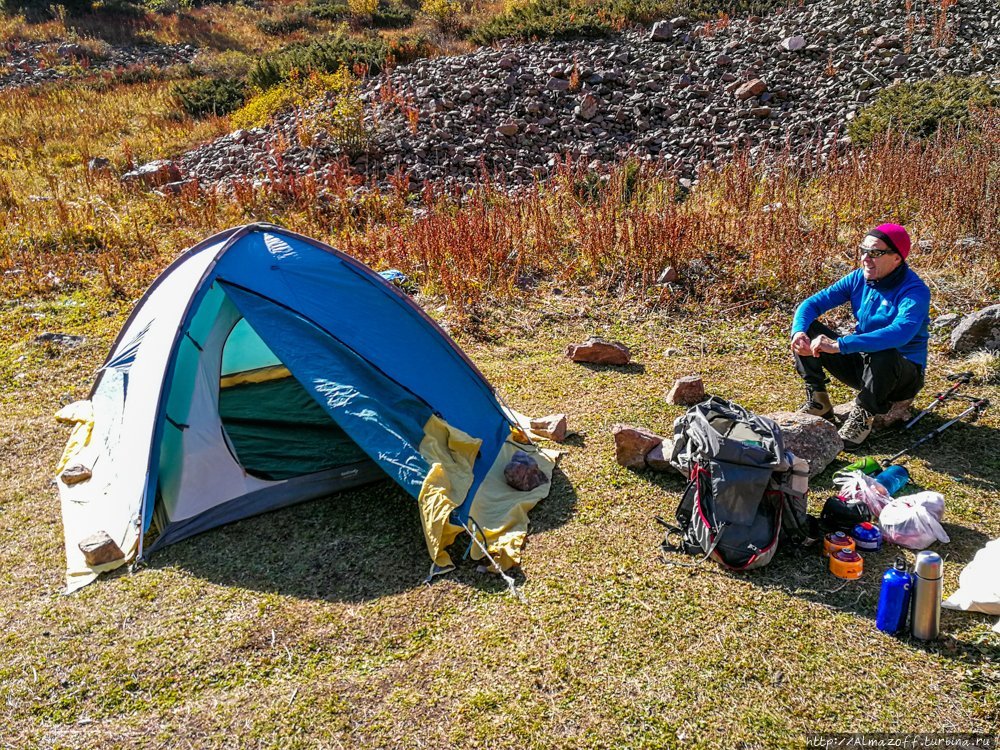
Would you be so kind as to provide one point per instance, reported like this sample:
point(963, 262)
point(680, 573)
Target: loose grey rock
point(793, 43)
point(946, 321)
point(667, 276)
point(687, 391)
point(552, 427)
point(750, 89)
point(632, 444)
point(658, 459)
point(60, 339)
point(809, 437)
point(98, 164)
point(599, 351)
point(588, 107)
point(980, 330)
point(663, 31)
point(153, 174)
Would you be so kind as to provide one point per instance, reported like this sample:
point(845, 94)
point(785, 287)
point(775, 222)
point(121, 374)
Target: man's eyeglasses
point(872, 252)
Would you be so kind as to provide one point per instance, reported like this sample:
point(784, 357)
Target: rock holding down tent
point(687, 391)
point(633, 444)
point(600, 352)
point(980, 330)
point(100, 549)
point(552, 427)
point(809, 437)
point(75, 473)
point(522, 473)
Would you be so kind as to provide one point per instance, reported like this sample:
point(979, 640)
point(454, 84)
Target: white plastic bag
point(914, 521)
point(979, 583)
point(857, 487)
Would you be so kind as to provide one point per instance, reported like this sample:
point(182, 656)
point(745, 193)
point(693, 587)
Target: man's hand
point(823, 344)
point(801, 345)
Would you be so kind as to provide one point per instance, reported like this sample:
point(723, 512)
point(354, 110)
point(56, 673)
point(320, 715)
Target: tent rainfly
point(263, 368)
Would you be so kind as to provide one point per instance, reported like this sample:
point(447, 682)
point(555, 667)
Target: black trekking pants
point(880, 377)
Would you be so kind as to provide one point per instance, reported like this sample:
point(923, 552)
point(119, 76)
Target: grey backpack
point(746, 493)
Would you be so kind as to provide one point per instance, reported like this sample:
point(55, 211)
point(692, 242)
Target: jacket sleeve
point(826, 299)
point(911, 312)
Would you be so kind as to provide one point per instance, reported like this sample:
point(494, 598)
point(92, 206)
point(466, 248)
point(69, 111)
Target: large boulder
point(810, 437)
point(632, 444)
point(599, 351)
point(980, 330)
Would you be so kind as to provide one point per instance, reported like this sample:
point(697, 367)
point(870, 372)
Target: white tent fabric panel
point(125, 403)
point(207, 473)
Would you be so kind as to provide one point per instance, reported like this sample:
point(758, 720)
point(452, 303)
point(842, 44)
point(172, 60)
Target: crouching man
point(884, 358)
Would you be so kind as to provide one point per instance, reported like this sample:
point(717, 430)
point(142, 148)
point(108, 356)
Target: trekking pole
point(978, 406)
point(960, 378)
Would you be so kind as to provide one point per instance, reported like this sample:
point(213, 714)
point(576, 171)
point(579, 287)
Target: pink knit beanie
point(894, 236)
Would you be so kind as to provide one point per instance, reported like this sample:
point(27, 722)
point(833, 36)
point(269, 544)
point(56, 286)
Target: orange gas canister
point(838, 540)
point(847, 563)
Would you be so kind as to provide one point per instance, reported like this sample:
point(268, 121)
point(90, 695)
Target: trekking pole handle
point(976, 408)
point(960, 378)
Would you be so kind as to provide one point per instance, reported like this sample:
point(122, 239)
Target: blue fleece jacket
point(892, 313)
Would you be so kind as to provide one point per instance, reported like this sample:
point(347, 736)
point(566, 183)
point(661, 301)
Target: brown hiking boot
point(857, 427)
point(818, 404)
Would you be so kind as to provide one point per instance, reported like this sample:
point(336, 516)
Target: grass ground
point(310, 627)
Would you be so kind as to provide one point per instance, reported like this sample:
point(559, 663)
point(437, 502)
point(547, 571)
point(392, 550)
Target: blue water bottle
point(894, 599)
point(893, 479)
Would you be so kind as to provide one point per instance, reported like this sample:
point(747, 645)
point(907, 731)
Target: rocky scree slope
point(682, 94)
point(34, 63)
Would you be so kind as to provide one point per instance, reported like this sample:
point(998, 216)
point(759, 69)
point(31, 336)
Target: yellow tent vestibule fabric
point(500, 512)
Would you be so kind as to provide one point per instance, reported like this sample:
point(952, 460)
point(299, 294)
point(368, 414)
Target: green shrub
point(919, 110)
point(209, 96)
point(37, 9)
point(329, 10)
point(226, 64)
point(542, 19)
point(392, 16)
point(324, 57)
point(286, 24)
point(262, 107)
point(387, 14)
point(407, 48)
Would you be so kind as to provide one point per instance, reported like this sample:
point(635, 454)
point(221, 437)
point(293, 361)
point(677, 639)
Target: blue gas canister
point(893, 479)
point(867, 536)
point(894, 599)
